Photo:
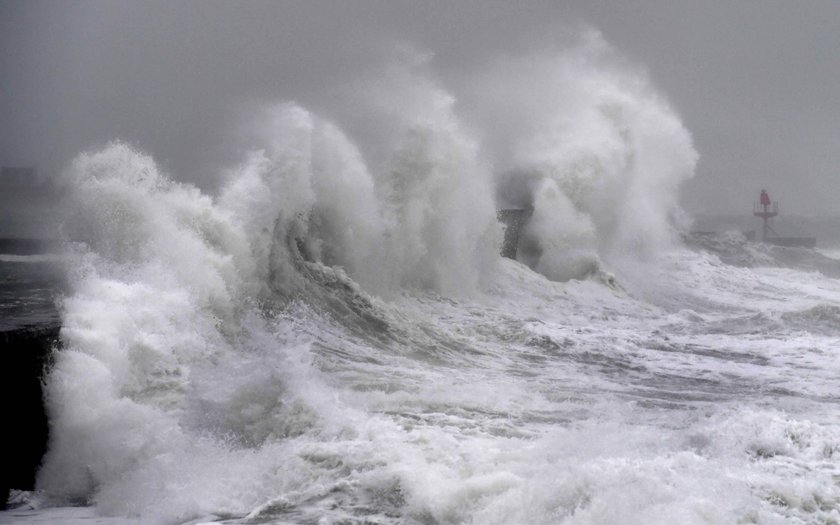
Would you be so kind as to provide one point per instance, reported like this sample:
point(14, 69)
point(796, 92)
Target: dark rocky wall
point(25, 353)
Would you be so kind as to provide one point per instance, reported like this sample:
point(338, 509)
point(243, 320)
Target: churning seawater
point(318, 343)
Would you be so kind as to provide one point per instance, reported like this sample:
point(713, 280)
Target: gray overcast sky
point(757, 82)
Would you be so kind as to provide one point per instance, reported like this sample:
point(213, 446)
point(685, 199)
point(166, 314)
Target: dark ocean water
point(29, 287)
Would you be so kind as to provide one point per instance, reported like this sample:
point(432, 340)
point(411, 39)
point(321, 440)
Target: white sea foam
point(233, 358)
point(438, 192)
point(584, 137)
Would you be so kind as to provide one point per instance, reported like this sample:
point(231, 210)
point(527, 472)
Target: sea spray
point(175, 394)
point(559, 241)
point(438, 190)
point(173, 289)
point(213, 362)
point(595, 127)
point(306, 188)
point(159, 289)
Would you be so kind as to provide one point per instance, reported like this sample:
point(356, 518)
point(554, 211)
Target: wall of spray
point(174, 289)
point(584, 137)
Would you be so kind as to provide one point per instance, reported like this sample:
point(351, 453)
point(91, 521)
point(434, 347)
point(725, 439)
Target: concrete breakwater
point(25, 355)
point(514, 221)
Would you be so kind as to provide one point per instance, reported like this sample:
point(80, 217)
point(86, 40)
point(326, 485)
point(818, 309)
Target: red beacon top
point(765, 199)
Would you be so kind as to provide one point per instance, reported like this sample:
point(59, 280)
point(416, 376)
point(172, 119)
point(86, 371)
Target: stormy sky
point(757, 82)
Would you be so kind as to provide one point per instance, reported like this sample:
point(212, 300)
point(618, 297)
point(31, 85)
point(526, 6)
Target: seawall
point(25, 354)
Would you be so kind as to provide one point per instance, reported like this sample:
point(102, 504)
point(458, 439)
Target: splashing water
point(323, 342)
point(598, 152)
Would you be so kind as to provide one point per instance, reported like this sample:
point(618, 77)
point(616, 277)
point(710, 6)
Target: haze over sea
point(333, 337)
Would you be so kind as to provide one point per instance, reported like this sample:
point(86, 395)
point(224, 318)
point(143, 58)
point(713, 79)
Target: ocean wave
point(321, 340)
